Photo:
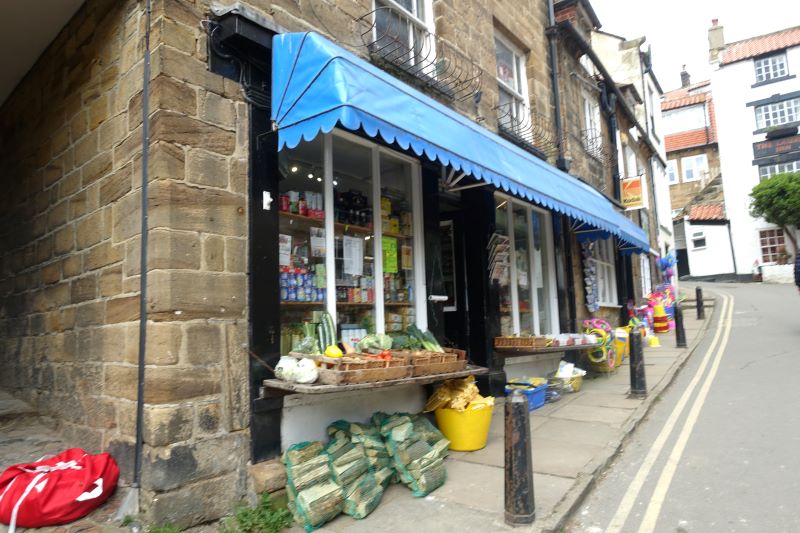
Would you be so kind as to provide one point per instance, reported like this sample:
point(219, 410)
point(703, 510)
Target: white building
point(757, 98)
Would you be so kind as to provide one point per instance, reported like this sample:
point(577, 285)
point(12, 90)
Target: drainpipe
point(552, 33)
point(733, 253)
point(561, 163)
point(137, 465)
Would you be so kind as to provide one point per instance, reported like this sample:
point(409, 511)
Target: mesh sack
point(362, 496)
point(318, 504)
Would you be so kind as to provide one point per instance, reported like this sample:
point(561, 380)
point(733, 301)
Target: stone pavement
point(574, 440)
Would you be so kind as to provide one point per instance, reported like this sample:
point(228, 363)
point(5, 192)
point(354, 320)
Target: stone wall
point(682, 193)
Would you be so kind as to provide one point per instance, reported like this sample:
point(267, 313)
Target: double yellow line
point(719, 343)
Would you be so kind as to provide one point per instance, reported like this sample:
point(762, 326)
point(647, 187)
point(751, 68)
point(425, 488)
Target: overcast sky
point(677, 30)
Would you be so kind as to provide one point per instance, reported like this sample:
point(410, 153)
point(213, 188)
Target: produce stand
point(519, 352)
point(318, 388)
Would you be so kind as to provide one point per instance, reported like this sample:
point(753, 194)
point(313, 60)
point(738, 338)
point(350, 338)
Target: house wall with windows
point(756, 86)
point(708, 248)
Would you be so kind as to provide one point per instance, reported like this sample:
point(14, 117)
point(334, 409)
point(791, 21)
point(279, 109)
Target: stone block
point(51, 273)
point(176, 35)
point(113, 131)
point(235, 255)
point(110, 283)
point(129, 148)
point(186, 295)
point(83, 289)
point(217, 110)
point(117, 185)
point(167, 161)
point(78, 205)
point(59, 141)
point(208, 419)
point(198, 503)
point(267, 476)
point(127, 217)
point(90, 230)
point(123, 309)
point(89, 314)
point(239, 179)
point(86, 148)
point(169, 468)
point(99, 111)
point(182, 207)
point(44, 250)
point(176, 128)
point(167, 94)
point(207, 168)
point(71, 266)
point(214, 253)
point(236, 368)
point(165, 425)
point(96, 168)
point(163, 343)
point(103, 254)
point(64, 240)
point(101, 413)
point(172, 62)
point(121, 381)
point(57, 215)
point(172, 250)
point(123, 451)
point(172, 384)
point(182, 11)
point(204, 344)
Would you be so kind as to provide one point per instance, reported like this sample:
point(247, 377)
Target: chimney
point(716, 41)
point(684, 78)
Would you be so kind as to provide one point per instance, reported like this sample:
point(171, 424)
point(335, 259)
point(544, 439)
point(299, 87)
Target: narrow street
point(718, 451)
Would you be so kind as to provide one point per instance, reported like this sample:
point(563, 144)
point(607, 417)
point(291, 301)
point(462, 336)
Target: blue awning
point(317, 85)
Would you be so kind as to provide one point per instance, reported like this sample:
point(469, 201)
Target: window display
point(340, 253)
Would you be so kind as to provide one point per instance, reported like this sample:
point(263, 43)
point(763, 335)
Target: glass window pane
point(353, 235)
point(397, 242)
point(505, 64)
point(541, 272)
point(524, 291)
point(500, 265)
point(301, 243)
point(392, 36)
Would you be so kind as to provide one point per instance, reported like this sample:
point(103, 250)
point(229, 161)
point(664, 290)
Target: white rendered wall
point(716, 257)
point(736, 122)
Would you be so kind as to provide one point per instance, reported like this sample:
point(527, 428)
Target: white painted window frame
point(672, 172)
point(778, 113)
point(699, 235)
point(771, 67)
point(548, 275)
point(605, 264)
point(767, 171)
point(519, 94)
point(425, 22)
point(698, 171)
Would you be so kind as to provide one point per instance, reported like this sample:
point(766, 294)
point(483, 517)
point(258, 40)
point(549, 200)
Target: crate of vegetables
point(450, 360)
point(363, 368)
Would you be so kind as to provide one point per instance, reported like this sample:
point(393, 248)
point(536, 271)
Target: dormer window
point(771, 67)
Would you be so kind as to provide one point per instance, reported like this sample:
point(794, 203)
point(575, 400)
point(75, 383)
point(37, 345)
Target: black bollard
point(701, 310)
point(680, 333)
point(520, 509)
point(638, 385)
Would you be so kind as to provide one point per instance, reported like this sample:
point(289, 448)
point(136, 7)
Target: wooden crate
point(520, 342)
point(452, 360)
point(330, 376)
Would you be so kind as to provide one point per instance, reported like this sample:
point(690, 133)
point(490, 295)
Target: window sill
point(609, 305)
point(785, 126)
point(772, 80)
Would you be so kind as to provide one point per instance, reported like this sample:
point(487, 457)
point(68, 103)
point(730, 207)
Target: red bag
point(56, 490)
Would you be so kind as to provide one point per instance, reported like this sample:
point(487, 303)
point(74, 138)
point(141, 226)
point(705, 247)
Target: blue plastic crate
point(535, 396)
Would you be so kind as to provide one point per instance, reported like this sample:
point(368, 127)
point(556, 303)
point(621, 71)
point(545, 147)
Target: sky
point(677, 30)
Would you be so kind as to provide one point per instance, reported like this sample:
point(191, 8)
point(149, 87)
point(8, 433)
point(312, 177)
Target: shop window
point(773, 246)
point(348, 239)
point(606, 272)
point(778, 113)
point(698, 240)
point(402, 26)
point(768, 68)
point(694, 167)
point(519, 265)
point(592, 140)
point(512, 85)
point(672, 171)
point(647, 280)
point(767, 171)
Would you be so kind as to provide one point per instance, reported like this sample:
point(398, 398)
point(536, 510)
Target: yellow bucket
point(467, 430)
point(622, 342)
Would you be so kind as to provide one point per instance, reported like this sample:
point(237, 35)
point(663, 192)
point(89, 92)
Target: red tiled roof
point(714, 211)
point(686, 139)
point(685, 101)
point(755, 46)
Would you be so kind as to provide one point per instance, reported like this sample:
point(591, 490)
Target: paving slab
point(591, 413)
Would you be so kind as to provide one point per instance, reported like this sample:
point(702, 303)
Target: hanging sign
point(633, 193)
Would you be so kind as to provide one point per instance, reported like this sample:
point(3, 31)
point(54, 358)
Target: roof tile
point(715, 211)
point(755, 46)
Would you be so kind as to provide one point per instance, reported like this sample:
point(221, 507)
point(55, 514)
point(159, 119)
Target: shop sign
point(633, 193)
point(776, 147)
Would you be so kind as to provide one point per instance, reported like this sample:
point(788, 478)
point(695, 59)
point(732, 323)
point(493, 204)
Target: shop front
point(395, 212)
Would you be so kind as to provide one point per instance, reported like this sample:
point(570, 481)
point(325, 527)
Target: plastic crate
point(535, 396)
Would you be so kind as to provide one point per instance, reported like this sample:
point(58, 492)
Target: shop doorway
point(455, 309)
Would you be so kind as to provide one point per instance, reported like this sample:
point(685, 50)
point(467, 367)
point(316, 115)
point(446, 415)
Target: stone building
point(71, 279)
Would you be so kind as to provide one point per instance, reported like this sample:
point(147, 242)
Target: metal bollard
point(701, 310)
point(680, 333)
point(520, 508)
point(638, 385)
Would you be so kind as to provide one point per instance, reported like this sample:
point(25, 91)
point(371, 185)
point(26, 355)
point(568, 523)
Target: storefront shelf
point(356, 304)
point(315, 388)
point(398, 304)
point(310, 221)
point(302, 303)
point(352, 228)
point(396, 235)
